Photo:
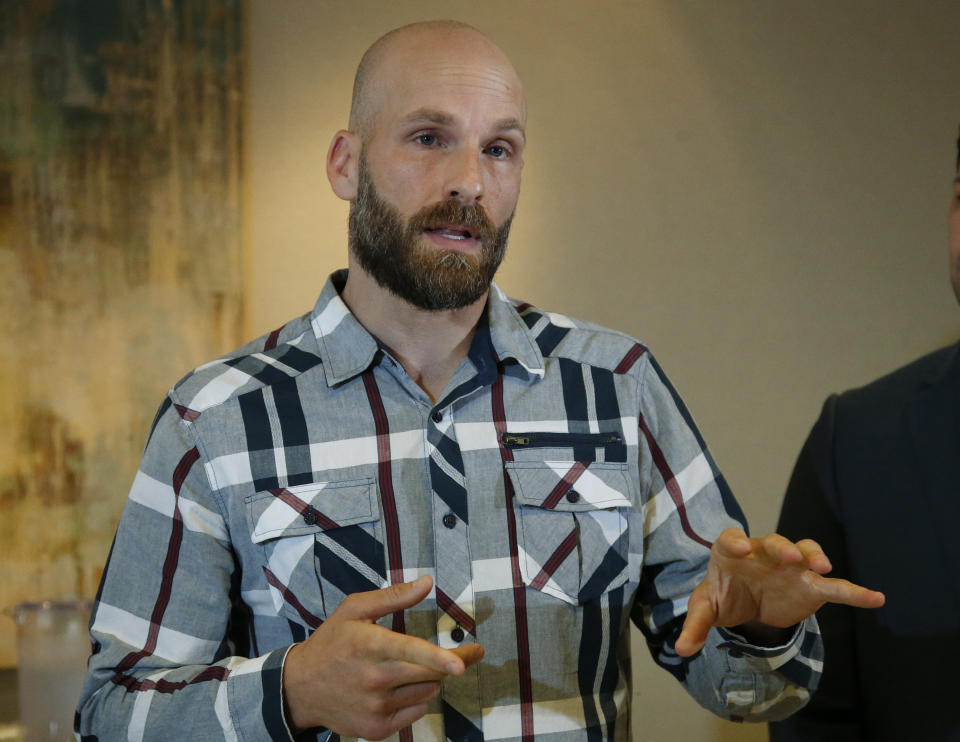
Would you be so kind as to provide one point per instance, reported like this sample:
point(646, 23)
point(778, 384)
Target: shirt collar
point(347, 349)
point(511, 338)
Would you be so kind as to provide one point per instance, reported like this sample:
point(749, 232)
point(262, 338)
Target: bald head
point(431, 165)
point(404, 50)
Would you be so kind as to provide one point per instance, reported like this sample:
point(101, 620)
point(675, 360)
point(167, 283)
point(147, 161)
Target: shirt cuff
point(255, 689)
point(746, 657)
point(767, 683)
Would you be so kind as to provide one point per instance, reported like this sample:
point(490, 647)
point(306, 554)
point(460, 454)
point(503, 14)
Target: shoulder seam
point(216, 368)
point(194, 435)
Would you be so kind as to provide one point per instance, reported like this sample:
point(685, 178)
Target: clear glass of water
point(52, 649)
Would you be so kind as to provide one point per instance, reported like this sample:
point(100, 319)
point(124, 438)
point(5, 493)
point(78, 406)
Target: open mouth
point(451, 233)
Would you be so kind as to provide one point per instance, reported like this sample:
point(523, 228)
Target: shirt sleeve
point(686, 505)
point(168, 629)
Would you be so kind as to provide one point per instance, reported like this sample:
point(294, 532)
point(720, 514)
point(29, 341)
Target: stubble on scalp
point(368, 81)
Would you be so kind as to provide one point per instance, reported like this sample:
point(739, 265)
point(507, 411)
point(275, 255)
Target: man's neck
point(430, 344)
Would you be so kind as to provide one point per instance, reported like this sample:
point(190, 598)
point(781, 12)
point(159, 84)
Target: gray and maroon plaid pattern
point(558, 490)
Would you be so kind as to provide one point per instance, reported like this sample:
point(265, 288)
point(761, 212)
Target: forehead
point(470, 84)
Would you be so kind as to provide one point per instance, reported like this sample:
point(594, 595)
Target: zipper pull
point(516, 440)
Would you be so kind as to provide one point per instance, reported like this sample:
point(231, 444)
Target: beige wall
point(756, 189)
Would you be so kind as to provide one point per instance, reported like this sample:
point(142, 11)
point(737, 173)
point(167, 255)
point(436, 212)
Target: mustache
point(472, 216)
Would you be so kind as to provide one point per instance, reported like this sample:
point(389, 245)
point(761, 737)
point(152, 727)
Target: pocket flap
point(570, 486)
point(311, 508)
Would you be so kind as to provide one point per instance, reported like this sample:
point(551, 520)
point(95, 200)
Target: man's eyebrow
point(428, 115)
point(511, 123)
point(433, 116)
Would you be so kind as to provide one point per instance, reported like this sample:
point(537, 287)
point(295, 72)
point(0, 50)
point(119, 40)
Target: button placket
point(453, 568)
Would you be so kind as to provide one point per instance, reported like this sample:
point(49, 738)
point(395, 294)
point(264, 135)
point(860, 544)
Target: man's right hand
point(361, 679)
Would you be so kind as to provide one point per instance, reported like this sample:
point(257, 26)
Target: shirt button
point(437, 416)
point(310, 517)
point(457, 634)
point(734, 652)
point(573, 496)
point(450, 520)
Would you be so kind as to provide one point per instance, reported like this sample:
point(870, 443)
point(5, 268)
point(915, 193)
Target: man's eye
point(497, 150)
point(427, 140)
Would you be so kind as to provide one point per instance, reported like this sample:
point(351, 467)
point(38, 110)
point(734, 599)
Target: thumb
point(369, 606)
point(701, 616)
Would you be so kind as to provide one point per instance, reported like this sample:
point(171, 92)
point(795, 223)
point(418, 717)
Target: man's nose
point(464, 177)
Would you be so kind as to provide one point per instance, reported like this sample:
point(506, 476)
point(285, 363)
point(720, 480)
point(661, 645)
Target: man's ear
point(343, 158)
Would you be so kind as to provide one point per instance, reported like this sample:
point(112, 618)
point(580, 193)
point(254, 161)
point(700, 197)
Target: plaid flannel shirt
point(558, 490)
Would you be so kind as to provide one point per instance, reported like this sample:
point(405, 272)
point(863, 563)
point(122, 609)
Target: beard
point(393, 252)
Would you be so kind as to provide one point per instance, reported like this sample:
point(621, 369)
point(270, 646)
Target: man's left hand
point(770, 581)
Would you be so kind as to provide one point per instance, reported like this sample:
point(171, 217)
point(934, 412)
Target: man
point(878, 484)
point(522, 484)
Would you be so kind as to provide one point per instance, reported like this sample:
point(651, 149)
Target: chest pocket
point(571, 526)
point(321, 541)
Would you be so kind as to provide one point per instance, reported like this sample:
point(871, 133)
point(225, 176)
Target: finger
point(397, 673)
point(733, 542)
point(781, 549)
point(412, 649)
point(701, 616)
point(469, 654)
point(402, 672)
point(371, 605)
point(845, 592)
point(413, 694)
point(813, 555)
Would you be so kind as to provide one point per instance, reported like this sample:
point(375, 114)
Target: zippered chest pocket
point(572, 519)
point(578, 446)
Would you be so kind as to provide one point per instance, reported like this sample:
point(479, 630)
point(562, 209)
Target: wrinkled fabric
point(557, 490)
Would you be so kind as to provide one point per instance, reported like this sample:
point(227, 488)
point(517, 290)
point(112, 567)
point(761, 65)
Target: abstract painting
point(120, 258)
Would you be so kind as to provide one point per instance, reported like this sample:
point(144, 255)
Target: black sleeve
point(811, 510)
